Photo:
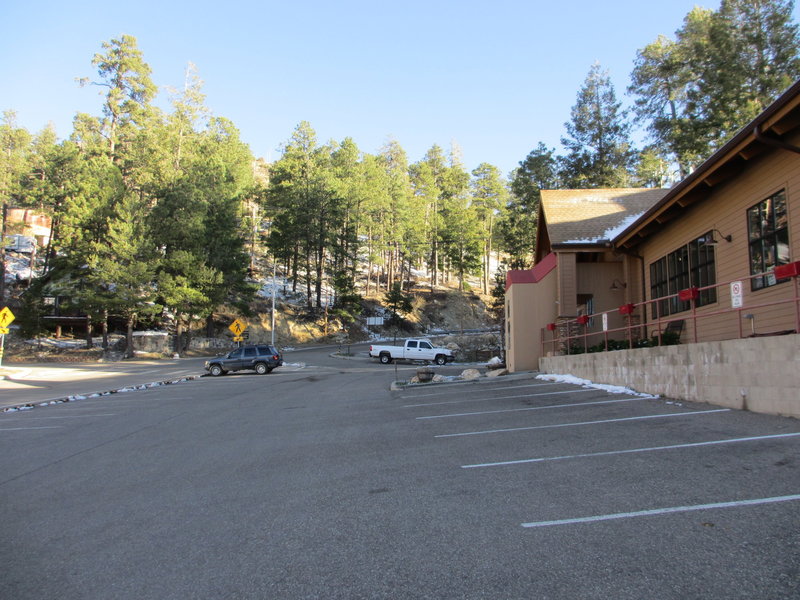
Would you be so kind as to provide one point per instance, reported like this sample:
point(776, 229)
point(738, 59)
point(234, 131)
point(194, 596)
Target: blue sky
point(493, 77)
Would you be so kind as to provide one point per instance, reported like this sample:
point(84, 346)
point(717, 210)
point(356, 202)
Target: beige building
point(577, 271)
point(718, 250)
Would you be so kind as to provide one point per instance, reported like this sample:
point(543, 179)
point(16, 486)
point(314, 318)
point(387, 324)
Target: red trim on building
point(534, 275)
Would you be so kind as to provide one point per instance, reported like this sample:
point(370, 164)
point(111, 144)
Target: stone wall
point(758, 374)
point(158, 342)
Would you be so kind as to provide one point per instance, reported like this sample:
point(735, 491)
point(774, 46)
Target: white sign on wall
point(605, 321)
point(737, 294)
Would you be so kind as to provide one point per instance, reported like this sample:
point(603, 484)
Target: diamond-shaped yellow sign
point(237, 327)
point(6, 316)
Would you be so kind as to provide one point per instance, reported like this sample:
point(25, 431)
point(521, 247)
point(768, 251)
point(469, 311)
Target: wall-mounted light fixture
point(713, 241)
point(618, 285)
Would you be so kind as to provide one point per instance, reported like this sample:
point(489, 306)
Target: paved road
point(35, 383)
point(316, 481)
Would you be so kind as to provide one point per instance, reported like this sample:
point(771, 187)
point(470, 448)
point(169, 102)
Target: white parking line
point(510, 429)
point(634, 450)
point(664, 511)
point(507, 410)
point(484, 399)
point(451, 391)
point(24, 428)
point(68, 416)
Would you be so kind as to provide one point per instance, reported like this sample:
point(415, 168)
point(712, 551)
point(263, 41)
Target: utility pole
point(3, 256)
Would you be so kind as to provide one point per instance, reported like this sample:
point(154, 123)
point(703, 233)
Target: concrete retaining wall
point(758, 374)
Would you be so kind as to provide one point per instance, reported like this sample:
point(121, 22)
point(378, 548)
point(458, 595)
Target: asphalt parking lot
point(317, 481)
point(525, 425)
point(717, 491)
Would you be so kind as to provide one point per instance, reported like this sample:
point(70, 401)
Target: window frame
point(694, 264)
point(764, 245)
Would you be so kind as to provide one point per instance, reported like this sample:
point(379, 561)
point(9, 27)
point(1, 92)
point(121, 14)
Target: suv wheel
point(216, 370)
point(441, 359)
point(262, 369)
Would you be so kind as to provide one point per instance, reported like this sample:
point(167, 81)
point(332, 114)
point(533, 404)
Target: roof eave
point(598, 245)
point(788, 101)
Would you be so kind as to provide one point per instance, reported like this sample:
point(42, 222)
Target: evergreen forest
point(164, 212)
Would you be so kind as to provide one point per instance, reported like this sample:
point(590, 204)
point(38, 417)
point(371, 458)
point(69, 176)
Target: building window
point(692, 265)
point(768, 236)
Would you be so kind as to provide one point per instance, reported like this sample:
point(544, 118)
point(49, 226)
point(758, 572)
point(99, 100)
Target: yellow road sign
point(6, 316)
point(237, 327)
point(238, 338)
point(3, 330)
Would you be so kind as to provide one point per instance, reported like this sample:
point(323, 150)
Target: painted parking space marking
point(26, 428)
point(664, 511)
point(581, 423)
point(499, 389)
point(484, 399)
point(550, 406)
point(31, 418)
point(632, 451)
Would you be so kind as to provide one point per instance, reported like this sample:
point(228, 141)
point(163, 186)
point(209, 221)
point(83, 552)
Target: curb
point(75, 397)
point(404, 385)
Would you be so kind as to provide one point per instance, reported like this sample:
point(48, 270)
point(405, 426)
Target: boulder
point(425, 374)
point(470, 374)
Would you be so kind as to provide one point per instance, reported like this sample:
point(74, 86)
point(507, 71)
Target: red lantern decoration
point(583, 319)
point(551, 327)
point(627, 309)
point(691, 293)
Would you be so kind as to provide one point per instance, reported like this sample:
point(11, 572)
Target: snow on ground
point(18, 267)
point(74, 343)
point(611, 389)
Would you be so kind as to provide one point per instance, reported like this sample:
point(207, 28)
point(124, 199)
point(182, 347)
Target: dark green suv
point(261, 358)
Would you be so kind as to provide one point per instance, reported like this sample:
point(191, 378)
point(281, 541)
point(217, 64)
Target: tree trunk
point(178, 332)
point(105, 331)
point(187, 338)
point(320, 254)
point(210, 325)
point(89, 343)
point(308, 280)
point(129, 337)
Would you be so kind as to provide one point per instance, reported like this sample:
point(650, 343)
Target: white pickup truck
point(412, 350)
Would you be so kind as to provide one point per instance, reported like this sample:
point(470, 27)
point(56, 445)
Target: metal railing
point(573, 336)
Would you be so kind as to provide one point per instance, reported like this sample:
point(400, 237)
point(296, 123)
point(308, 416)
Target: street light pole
point(272, 325)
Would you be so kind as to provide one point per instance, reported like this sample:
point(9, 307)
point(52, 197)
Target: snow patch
point(611, 389)
point(611, 233)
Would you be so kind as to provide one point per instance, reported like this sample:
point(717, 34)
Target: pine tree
point(126, 76)
point(489, 196)
point(599, 152)
point(121, 272)
point(397, 303)
point(518, 222)
point(723, 68)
